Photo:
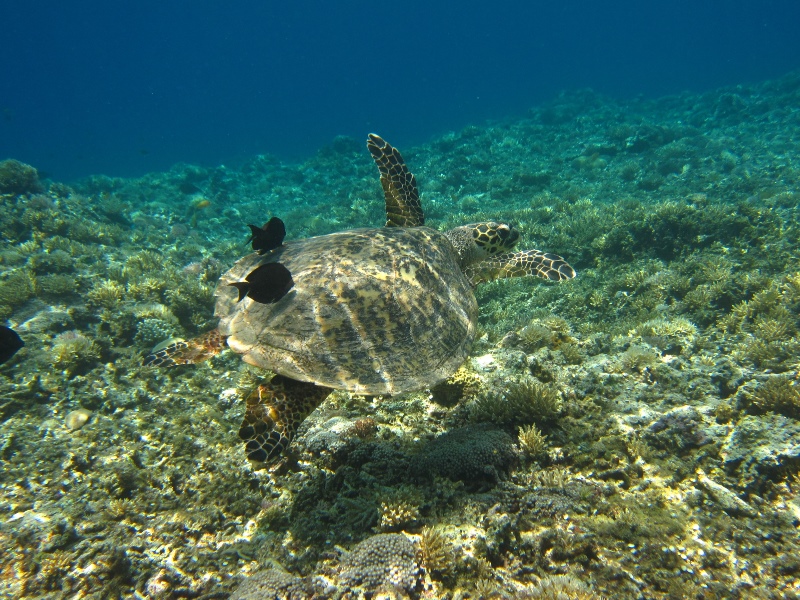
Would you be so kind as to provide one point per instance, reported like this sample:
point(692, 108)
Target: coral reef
point(437, 555)
point(531, 441)
point(558, 587)
point(18, 178)
point(460, 384)
point(778, 394)
point(633, 434)
point(400, 510)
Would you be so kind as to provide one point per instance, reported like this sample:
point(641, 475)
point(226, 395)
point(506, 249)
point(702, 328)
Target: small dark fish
point(10, 342)
point(267, 284)
point(268, 237)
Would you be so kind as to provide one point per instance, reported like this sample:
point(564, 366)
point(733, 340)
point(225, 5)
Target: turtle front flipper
point(273, 413)
point(185, 352)
point(520, 264)
point(403, 208)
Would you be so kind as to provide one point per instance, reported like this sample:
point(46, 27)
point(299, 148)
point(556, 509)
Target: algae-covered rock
point(680, 429)
point(760, 445)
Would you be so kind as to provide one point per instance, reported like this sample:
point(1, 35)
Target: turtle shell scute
point(372, 311)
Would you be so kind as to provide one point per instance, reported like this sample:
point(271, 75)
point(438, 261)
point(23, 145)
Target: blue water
point(125, 88)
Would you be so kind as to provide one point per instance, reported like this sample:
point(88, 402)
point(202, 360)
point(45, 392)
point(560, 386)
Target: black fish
point(267, 284)
point(268, 237)
point(10, 342)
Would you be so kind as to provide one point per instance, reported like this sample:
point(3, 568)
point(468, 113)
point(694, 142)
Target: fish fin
point(242, 286)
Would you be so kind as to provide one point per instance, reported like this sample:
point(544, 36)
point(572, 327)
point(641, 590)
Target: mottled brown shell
point(372, 311)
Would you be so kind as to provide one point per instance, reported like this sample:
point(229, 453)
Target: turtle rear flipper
point(274, 412)
point(520, 264)
point(185, 352)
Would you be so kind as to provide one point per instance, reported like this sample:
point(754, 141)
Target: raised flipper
point(520, 264)
point(190, 351)
point(274, 412)
point(403, 208)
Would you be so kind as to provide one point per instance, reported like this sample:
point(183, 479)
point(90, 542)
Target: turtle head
point(478, 241)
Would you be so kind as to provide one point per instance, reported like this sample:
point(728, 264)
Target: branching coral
point(531, 441)
point(106, 294)
point(437, 555)
point(57, 286)
point(399, 512)
point(778, 394)
point(556, 477)
point(17, 287)
point(637, 358)
point(74, 351)
point(143, 263)
point(571, 353)
point(558, 587)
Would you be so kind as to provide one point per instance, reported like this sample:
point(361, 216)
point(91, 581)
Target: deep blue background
point(122, 88)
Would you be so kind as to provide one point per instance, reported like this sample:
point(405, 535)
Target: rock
point(679, 429)
point(760, 446)
point(723, 497)
point(77, 418)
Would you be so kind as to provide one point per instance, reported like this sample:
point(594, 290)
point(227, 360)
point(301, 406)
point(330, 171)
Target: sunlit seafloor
point(632, 433)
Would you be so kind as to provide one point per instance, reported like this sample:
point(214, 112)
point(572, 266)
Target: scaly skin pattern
point(403, 208)
point(274, 412)
point(187, 352)
point(520, 264)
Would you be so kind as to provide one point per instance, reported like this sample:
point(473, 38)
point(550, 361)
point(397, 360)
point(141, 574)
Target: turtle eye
point(504, 231)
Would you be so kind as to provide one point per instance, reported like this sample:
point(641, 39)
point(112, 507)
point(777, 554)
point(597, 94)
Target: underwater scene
point(603, 404)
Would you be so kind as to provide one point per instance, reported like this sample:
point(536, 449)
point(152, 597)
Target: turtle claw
point(185, 352)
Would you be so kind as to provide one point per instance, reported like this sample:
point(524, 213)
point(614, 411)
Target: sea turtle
point(372, 311)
